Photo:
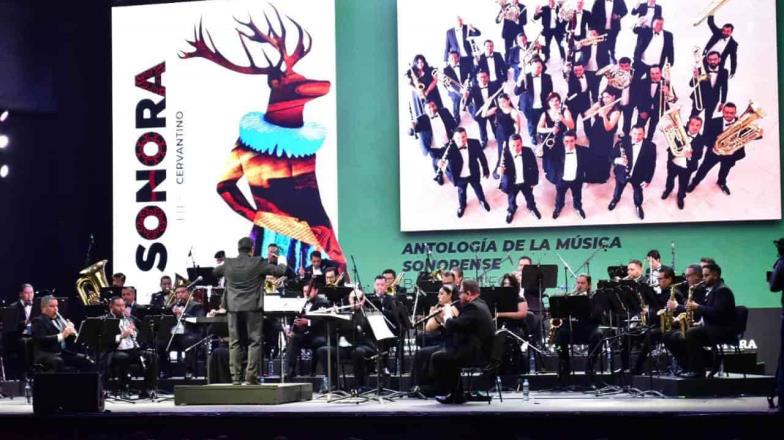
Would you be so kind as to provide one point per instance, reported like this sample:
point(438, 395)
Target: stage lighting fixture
point(4, 116)
point(3, 141)
point(4, 171)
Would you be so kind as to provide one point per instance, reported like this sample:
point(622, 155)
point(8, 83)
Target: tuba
point(91, 280)
point(743, 131)
point(674, 134)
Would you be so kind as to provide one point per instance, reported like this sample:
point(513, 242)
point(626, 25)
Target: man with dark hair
point(680, 168)
point(776, 284)
point(390, 276)
point(493, 63)
point(520, 174)
point(53, 340)
point(476, 97)
point(654, 47)
point(118, 280)
point(317, 266)
point(459, 71)
point(584, 331)
point(704, 261)
point(471, 335)
point(653, 258)
point(552, 27)
point(467, 164)
point(435, 127)
point(307, 333)
point(126, 349)
point(158, 299)
point(219, 256)
point(635, 163)
point(723, 43)
point(570, 163)
point(243, 299)
point(580, 95)
point(14, 340)
point(634, 270)
point(533, 89)
point(712, 131)
point(717, 315)
point(693, 289)
point(712, 89)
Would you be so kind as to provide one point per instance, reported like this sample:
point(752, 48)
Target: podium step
point(222, 394)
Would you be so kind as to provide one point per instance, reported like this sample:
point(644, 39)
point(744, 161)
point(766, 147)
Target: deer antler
point(277, 40)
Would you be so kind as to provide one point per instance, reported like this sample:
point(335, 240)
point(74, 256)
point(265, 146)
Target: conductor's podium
point(227, 394)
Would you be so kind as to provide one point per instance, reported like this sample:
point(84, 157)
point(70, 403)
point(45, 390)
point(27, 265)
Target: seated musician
point(306, 333)
point(530, 291)
point(53, 340)
point(129, 297)
point(394, 311)
point(332, 279)
point(469, 343)
point(127, 350)
point(634, 273)
point(434, 337)
point(185, 334)
point(694, 289)
point(317, 266)
point(665, 278)
point(582, 331)
point(390, 276)
point(514, 321)
point(158, 299)
point(714, 319)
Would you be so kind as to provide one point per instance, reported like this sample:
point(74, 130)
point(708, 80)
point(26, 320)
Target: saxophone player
point(674, 340)
point(581, 331)
point(127, 350)
point(680, 168)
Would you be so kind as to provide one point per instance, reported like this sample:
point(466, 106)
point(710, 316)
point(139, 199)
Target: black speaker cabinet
point(67, 392)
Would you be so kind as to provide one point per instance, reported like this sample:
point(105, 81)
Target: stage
point(547, 414)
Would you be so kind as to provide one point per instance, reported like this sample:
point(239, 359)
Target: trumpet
point(710, 10)
point(595, 111)
point(590, 41)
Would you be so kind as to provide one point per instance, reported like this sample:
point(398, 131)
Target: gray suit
point(244, 301)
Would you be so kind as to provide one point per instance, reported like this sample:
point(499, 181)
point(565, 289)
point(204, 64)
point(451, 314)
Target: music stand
point(543, 276)
point(9, 317)
point(499, 299)
point(328, 316)
point(207, 275)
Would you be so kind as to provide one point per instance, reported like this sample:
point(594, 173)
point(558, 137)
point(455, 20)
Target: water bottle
point(270, 367)
point(526, 390)
point(531, 362)
point(28, 392)
point(609, 356)
point(324, 384)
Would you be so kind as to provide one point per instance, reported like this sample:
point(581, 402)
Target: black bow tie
point(482, 87)
point(656, 33)
point(462, 148)
point(434, 117)
point(570, 152)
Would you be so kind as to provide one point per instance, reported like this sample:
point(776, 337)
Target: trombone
point(698, 78)
point(670, 97)
point(710, 10)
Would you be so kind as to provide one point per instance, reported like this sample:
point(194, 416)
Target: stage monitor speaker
point(67, 392)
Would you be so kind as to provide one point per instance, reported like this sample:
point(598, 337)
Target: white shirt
point(491, 67)
point(714, 75)
point(649, 15)
point(625, 96)
point(720, 46)
point(537, 91)
point(460, 41)
point(317, 271)
point(681, 161)
point(439, 132)
point(456, 69)
point(592, 65)
point(465, 172)
point(635, 154)
point(652, 55)
point(553, 16)
point(518, 162)
point(654, 87)
point(125, 343)
point(485, 93)
point(578, 20)
point(28, 309)
point(583, 83)
point(608, 8)
point(570, 166)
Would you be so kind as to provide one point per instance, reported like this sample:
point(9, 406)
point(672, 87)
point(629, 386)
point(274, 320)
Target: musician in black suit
point(186, 334)
point(635, 163)
point(533, 89)
point(627, 104)
point(681, 167)
point(583, 330)
point(717, 315)
point(463, 164)
point(606, 16)
point(493, 63)
point(158, 299)
point(594, 57)
point(722, 42)
point(306, 333)
point(53, 340)
point(520, 174)
point(647, 97)
point(128, 294)
point(459, 72)
point(665, 279)
point(457, 41)
point(674, 340)
point(470, 340)
point(552, 27)
point(580, 21)
point(712, 131)
point(518, 57)
point(648, 9)
point(511, 27)
point(712, 89)
point(569, 163)
point(14, 340)
point(476, 97)
point(654, 47)
point(318, 265)
point(126, 349)
point(24, 310)
point(435, 129)
point(579, 95)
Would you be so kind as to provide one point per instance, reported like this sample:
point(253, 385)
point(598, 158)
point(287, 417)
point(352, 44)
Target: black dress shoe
point(485, 205)
point(581, 212)
point(556, 213)
point(666, 194)
point(509, 217)
point(691, 187)
point(680, 203)
point(612, 205)
point(440, 179)
point(640, 212)
point(724, 188)
point(536, 213)
point(460, 212)
point(495, 175)
point(451, 398)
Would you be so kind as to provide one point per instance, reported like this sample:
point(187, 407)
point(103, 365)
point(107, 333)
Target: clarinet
point(412, 132)
point(440, 172)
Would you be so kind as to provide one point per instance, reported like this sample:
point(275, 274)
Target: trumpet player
point(723, 43)
point(435, 129)
point(713, 129)
point(520, 174)
point(493, 64)
point(457, 40)
point(552, 28)
point(607, 15)
point(593, 54)
point(127, 350)
point(466, 164)
point(53, 340)
point(654, 47)
point(647, 11)
point(158, 299)
point(680, 168)
point(533, 89)
point(634, 163)
point(584, 330)
point(578, 26)
point(713, 87)
point(458, 74)
point(570, 162)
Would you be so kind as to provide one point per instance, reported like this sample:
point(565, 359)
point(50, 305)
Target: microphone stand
point(354, 270)
point(88, 256)
point(567, 271)
point(587, 262)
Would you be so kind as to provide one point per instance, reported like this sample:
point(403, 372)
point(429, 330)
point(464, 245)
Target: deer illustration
point(276, 149)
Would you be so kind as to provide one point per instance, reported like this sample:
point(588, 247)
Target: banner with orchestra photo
point(221, 110)
point(546, 113)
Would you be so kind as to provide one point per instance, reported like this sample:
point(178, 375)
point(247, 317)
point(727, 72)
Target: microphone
point(92, 238)
point(429, 252)
point(196, 281)
point(190, 252)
